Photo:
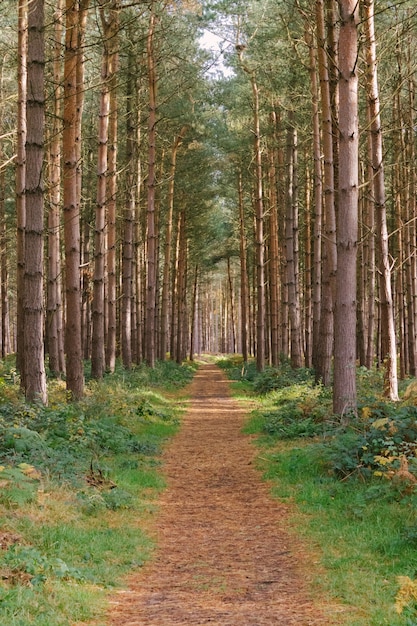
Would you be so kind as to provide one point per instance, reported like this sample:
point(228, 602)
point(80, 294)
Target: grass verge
point(78, 484)
point(351, 487)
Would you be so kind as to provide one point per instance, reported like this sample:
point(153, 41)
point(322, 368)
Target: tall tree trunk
point(168, 247)
point(318, 202)
point(308, 302)
point(150, 222)
point(259, 234)
point(128, 223)
point(193, 319)
point(378, 187)
point(273, 245)
point(369, 282)
point(259, 218)
point(323, 362)
point(54, 326)
point(344, 388)
point(244, 282)
point(291, 248)
point(21, 181)
point(4, 272)
point(73, 343)
point(232, 307)
point(98, 318)
point(181, 290)
point(35, 377)
point(112, 37)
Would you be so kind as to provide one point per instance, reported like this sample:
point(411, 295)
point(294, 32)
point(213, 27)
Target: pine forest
point(185, 177)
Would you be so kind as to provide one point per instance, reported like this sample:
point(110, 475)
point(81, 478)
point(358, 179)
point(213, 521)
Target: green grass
point(363, 526)
point(78, 488)
point(363, 530)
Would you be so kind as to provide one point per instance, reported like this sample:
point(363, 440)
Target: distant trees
point(185, 211)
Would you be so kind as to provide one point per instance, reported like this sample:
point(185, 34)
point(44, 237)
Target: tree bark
point(318, 202)
point(111, 32)
point(291, 248)
point(150, 352)
point(344, 387)
point(55, 325)
point(21, 182)
point(73, 343)
point(323, 361)
point(35, 377)
point(168, 247)
point(244, 282)
point(389, 354)
point(273, 245)
point(98, 317)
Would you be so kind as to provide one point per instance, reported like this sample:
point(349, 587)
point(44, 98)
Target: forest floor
point(224, 553)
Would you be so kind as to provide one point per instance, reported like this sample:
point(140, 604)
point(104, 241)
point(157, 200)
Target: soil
point(224, 555)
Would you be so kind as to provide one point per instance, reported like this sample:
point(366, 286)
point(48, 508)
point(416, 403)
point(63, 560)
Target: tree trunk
point(323, 362)
point(151, 233)
point(21, 182)
point(168, 247)
point(128, 223)
point(193, 318)
point(308, 301)
point(291, 248)
point(111, 32)
point(344, 388)
point(35, 377)
point(273, 246)
point(232, 307)
point(4, 288)
point(244, 282)
point(389, 354)
point(318, 203)
point(73, 343)
point(97, 347)
point(54, 326)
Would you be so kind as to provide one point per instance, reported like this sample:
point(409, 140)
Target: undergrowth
point(75, 481)
point(354, 485)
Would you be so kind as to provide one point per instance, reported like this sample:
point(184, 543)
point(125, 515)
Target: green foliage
point(236, 368)
point(29, 564)
point(376, 441)
point(283, 376)
point(75, 481)
point(354, 485)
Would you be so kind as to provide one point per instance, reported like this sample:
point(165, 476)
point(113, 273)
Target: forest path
point(223, 554)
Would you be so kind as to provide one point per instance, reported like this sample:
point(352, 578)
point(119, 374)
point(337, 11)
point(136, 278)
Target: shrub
point(282, 376)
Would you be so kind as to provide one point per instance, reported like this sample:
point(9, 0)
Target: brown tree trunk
point(232, 307)
point(273, 246)
point(150, 222)
point(111, 31)
point(35, 377)
point(98, 318)
point(21, 181)
point(344, 387)
point(308, 302)
point(323, 362)
point(54, 326)
point(168, 247)
point(73, 343)
point(193, 317)
point(388, 339)
point(318, 203)
point(4, 271)
point(244, 282)
point(291, 248)
point(128, 224)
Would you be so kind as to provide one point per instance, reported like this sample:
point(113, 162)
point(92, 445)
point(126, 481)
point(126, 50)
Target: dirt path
point(223, 554)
